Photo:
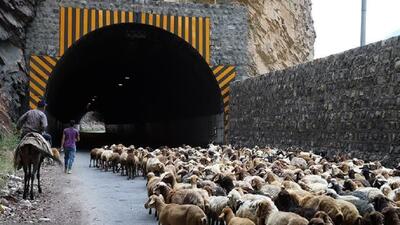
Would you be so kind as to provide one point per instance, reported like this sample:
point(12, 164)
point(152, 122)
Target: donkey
point(30, 158)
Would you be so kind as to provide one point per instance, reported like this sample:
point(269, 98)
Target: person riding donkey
point(35, 120)
point(33, 148)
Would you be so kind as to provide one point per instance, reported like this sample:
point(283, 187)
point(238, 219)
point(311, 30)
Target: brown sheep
point(152, 181)
point(230, 218)
point(122, 160)
point(373, 218)
point(181, 196)
point(322, 216)
point(114, 161)
point(93, 156)
point(290, 203)
point(174, 214)
point(350, 212)
point(130, 164)
point(324, 203)
point(170, 179)
point(99, 152)
point(391, 216)
point(56, 154)
point(105, 159)
point(318, 221)
point(285, 218)
point(154, 165)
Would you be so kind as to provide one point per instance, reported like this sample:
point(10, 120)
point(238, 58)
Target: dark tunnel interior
point(150, 86)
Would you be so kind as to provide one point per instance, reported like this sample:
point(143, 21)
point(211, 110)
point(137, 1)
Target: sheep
point(266, 189)
point(350, 213)
point(255, 207)
point(169, 178)
point(373, 218)
point(285, 218)
point(380, 202)
point(56, 155)
point(318, 221)
point(105, 159)
point(290, 185)
point(99, 152)
point(225, 181)
point(114, 160)
point(319, 217)
point(314, 183)
point(391, 216)
point(233, 199)
point(394, 195)
point(299, 163)
point(215, 206)
point(309, 183)
point(181, 196)
point(152, 180)
point(230, 218)
point(370, 192)
point(154, 165)
point(174, 214)
point(324, 203)
point(290, 203)
point(363, 206)
point(131, 164)
point(123, 160)
point(92, 156)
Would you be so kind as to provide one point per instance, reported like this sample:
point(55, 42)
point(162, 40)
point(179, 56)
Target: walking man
point(34, 121)
point(68, 143)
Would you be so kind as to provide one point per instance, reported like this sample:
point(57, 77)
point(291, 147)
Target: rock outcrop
point(281, 32)
point(14, 16)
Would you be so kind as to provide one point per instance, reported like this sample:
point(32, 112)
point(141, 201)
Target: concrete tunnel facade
point(139, 75)
point(148, 75)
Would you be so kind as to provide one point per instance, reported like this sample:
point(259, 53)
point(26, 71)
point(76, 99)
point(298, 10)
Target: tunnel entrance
point(150, 86)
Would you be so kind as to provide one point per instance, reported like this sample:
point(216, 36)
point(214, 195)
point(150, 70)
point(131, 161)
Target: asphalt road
point(109, 198)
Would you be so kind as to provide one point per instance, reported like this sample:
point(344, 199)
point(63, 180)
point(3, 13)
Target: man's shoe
point(69, 172)
point(65, 170)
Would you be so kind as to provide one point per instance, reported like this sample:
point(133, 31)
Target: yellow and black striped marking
point(224, 76)
point(76, 22)
point(40, 68)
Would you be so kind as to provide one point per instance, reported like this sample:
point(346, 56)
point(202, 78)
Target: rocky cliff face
point(14, 15)
point(281, 32)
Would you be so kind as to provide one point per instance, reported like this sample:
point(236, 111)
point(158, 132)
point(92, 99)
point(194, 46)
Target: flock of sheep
point(193, 186)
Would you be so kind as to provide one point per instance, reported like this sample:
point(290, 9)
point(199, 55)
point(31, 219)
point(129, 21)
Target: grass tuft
point(7, 146)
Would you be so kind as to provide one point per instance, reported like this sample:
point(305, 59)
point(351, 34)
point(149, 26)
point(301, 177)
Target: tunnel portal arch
point(140, 75)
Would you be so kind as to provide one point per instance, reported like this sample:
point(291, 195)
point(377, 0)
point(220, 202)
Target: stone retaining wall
point(348, 102)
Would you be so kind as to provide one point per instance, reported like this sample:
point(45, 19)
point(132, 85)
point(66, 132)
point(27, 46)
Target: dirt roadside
point(57, 204)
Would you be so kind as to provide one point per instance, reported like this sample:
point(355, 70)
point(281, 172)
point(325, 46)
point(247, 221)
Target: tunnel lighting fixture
point(93, 99)
point(120, 84)
point(127, 78)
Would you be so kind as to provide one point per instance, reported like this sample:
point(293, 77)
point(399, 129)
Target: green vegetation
point(7, 146)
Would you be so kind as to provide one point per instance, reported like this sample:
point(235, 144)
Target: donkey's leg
point(26, 180)
point(29, 178)
point(38, 176)
point(35, 166)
